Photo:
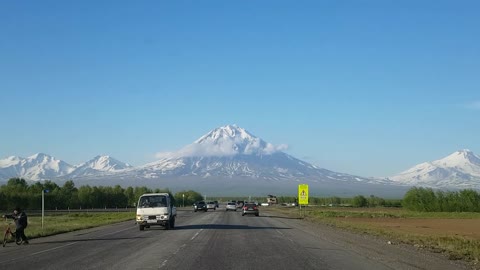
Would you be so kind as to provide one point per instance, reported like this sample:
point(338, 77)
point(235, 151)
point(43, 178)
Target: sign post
point(302, 195)
point(43, 203)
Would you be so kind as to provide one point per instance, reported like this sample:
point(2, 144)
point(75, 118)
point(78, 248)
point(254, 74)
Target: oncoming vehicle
point(231, 206)
point(250, 208)
point(201, 205)
point(156, 209)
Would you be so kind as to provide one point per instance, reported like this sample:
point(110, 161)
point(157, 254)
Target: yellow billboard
point(302, 194)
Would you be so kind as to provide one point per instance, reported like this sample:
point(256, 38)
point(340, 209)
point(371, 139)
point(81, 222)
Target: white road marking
point(164, 263)
point(73, 243)
point(284, 236)
point(113, 232)
point(196, 234)
point(47, 250)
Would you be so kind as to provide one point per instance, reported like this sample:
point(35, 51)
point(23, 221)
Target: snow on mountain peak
point(9, 161)
point(459, 158)
point(226, 133)
point(40, 156)
point(103, 163)
point(457, 169)
point(35, 167)
point(228, 140)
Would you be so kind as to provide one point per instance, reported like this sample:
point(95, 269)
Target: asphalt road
point(219, 240)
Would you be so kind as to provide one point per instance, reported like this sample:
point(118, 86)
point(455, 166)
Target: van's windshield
point(153, 201)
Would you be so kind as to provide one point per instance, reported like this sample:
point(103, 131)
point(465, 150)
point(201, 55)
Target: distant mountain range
point(44, 167)
point(231, 157)
point(458, 170)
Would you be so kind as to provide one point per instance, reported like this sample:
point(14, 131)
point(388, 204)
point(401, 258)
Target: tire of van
point(141, 227)
point(172, 225)
point(167, 225)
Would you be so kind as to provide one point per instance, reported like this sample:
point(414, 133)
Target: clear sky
point(363, 87)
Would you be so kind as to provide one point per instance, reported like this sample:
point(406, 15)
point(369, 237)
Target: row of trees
point(17, 193)
point(371, 201)
point(428, 200)
point(357, 201)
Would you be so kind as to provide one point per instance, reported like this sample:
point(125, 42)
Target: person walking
point(21, 222)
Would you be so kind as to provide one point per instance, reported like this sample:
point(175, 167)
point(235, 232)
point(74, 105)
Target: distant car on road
point(250, 209)
point(200, 206)
point(211, 205)
point(231, 206)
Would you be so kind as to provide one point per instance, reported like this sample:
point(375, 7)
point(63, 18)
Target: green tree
point(190, 197)
point(359, 201)
point(130, 195)
point(420, 199)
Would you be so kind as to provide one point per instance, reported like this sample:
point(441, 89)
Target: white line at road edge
point(284, 235)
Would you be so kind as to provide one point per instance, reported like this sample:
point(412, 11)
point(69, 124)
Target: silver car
point(231, 206)
point(250, 209)
point(211, 205)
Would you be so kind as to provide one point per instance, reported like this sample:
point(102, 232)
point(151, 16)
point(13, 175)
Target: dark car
point(240, 204)
point(200, 206)
point(250, 208)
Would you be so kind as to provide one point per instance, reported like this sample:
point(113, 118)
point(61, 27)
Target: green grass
point(378, 212)
point(456, 247)
point(55, 224)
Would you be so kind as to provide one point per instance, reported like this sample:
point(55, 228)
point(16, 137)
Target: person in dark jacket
point(21, 222)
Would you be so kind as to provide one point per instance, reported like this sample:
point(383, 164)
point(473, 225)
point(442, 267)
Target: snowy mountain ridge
point(35, 167)
point(231, 152)
point(460, 169)
point(42, 167)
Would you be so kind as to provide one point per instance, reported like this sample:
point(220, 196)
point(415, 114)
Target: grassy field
point(61, 223)
point(457, 234)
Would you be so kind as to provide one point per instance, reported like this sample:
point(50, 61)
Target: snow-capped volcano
point(231, 151)
point(99, 164)
point(458, 170)
point(36, 167)
point(226, 141)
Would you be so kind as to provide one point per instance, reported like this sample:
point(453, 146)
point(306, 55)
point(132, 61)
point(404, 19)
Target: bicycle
point(9, 234)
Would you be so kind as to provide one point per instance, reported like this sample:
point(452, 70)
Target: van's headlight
point(139, 217)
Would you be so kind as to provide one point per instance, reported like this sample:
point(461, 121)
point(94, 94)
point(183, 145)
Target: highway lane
point(218, 240)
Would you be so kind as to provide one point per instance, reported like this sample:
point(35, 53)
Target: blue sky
point(364, 87)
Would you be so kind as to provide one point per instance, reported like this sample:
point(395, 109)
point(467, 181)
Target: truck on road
point(156, 209)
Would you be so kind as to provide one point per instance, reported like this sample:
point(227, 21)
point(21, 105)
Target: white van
point(156, 209)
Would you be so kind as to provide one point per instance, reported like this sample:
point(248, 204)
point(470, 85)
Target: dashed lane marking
point(196, 234)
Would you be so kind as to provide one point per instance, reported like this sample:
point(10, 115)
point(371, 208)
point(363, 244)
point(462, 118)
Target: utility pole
point(43, 203)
